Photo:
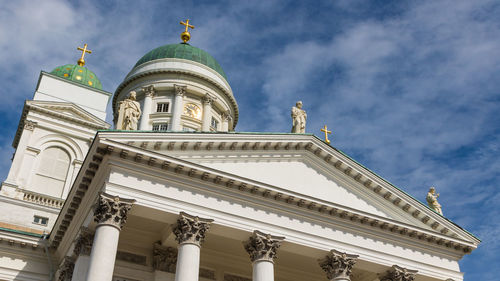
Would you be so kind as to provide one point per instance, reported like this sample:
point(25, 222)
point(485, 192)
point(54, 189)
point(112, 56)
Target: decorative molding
point(191, 229)
point(131, 257)
point(29, 125)
point(112, 210)
point(338, 265)
point(397, 273)
point(149, 91)
point(164, 258)
point(209, 99)
point(66, 269)
point(180, 90)
point(83, 243)
point(261, 246)
point(207, 273)
point(231, 277)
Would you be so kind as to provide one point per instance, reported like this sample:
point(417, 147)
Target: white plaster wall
point(54, 89)
point(21, 213)
point(23, 264)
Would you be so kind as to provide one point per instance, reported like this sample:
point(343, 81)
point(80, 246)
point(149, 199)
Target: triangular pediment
point(68, 111)
point(303, 166)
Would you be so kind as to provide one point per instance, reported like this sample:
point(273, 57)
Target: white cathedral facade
point(186, 198)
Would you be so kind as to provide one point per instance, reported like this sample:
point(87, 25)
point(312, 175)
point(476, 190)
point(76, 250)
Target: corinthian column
point(189, 233)
point(226, 117)
point(397, 273)
point(177, 109)
point(262, 250)
point(110, 213)
point(338, 266)
point(83, 246)
point(146, 108)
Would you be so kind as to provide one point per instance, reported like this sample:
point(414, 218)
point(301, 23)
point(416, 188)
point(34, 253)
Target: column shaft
point(188, 263)
point(102, 257)
point(205, 125)
point(146, 110)
point(178, 107)
point(263, 270)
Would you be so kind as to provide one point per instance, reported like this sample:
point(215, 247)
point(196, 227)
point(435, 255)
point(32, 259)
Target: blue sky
point(410, 89)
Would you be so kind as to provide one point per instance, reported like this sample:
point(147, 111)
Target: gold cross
point(81, 61)
point(185, 36)
point(325, 129)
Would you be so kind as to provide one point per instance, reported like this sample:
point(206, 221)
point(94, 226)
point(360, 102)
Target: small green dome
point(183, 51)
point(78, 74)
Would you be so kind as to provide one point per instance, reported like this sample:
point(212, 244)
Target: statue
point(130, 111)
point(431, 198)
point(299, 117)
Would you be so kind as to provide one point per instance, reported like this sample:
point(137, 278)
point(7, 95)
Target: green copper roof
point(78, 74)
point(183, 51)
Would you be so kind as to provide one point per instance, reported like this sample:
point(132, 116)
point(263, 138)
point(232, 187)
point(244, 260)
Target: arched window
point(52, 172)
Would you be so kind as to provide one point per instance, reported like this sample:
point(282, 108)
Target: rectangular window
point(162, 107)
point(214, 123)
point(160, 127)
point(40, 220)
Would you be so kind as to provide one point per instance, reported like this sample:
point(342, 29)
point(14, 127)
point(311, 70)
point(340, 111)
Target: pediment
point(302, 165)
point(68, 111)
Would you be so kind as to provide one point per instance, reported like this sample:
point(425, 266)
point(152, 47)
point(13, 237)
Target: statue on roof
point(129, 113)
point(431, 198)
point(299, 118)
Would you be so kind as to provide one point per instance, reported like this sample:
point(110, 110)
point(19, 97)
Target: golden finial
point(81, 61)
point(185, 36)
point(325, 129)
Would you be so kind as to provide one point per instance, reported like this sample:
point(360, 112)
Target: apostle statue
point(299, 117)
point(130, 112)
point(431, 198)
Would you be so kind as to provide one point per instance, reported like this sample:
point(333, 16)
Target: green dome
point(183, 51)
point(78, 74)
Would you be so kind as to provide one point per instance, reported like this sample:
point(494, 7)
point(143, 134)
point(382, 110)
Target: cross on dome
point(185, 36)
point(81, 61)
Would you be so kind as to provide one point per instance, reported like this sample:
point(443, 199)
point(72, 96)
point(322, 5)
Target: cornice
point(155, 160)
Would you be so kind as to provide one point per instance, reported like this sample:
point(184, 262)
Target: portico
point(313, 239)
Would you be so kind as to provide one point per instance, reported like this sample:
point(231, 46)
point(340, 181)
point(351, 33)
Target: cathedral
point(171, 191)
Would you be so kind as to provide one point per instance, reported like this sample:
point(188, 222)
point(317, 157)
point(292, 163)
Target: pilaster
point(207, 112)
point(177, 109)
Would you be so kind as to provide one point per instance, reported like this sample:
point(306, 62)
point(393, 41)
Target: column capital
point(112, 210)
point(180, 90)
point(226, 116)
point(191, 229)
point(338, 265)
point(66, 269)
point(261, 246)
point(83, 243)
point(397, 273)
point(164, 258)
point(208, 99)
point(149, 91)
point(29, 125)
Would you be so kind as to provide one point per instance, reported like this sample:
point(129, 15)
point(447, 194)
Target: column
point(189, 233)
point(338, 265)
point(177, 108)
point(110, 214)
point(149, 92)
point(262, 250)
point(226, 117)
point(29, 127)
point(82, 249)
point(397, 273)
point(207, 112)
